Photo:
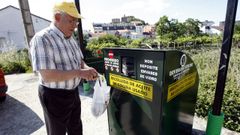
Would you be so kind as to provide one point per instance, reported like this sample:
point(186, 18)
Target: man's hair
point(58, 12)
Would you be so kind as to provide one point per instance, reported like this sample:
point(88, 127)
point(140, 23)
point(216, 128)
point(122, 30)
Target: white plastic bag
point(101, 96)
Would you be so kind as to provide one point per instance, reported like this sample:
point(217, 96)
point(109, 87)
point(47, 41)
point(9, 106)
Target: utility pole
point(27, 20)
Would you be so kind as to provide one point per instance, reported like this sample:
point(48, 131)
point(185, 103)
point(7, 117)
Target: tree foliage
point(106, 41)
point(237, 29)
point(236, 36)
point(132, 18)
point(166, 28)
point(207, 62)
point(182, 34)
point(173, 29)
point(192, 27)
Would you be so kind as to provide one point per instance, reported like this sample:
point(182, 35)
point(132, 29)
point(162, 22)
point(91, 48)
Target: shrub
point(13, 67)
point(207, 63)
point(15, 61)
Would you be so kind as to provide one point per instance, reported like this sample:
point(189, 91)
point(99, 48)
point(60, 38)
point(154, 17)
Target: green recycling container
point(153, 92)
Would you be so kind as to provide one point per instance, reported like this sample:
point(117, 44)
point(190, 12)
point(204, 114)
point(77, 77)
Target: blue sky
point(102, 11)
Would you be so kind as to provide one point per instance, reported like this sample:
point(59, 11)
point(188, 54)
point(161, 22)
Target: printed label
point(112, 64)
point(181, 85)
point(148, 70)
point(134, 87)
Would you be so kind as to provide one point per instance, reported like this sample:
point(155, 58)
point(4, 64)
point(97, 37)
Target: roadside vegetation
point(170, 34)
point(15, 62)
point(207, 62)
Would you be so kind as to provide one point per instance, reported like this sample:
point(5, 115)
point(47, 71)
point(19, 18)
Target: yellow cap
point(67, 7)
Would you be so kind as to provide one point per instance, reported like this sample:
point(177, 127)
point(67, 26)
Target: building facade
point(12, 34)
point(112, 28)
point(125, 28)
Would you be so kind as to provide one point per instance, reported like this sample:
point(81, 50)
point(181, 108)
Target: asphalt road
point(21, 113)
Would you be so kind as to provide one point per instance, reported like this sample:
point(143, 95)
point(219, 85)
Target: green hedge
point(13, 67)
point(15, 62)
point(207, 63)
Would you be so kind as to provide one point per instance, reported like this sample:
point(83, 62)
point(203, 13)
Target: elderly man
point(59, 61)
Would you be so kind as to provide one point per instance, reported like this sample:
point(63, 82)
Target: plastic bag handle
point(99, 80)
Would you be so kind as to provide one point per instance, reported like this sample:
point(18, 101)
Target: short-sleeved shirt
point(51, 50)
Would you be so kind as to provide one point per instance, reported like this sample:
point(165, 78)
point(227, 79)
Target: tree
point(174, 32)
point(163, 26)
point(105, 41)
point(192, 27)
point(135, 43)
point(237, 29)
point(236, 36)
point(136, 19)
point(169, 29)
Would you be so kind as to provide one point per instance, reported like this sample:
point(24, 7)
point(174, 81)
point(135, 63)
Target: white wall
point(39, 23)
point(12, 28)
point(139, 29)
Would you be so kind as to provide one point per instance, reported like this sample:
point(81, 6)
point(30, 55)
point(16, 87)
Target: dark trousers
point(62, 111)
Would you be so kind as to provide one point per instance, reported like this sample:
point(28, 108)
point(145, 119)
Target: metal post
point(225, 55)
point(80, 31)
point(215, 117)
point(86, 85)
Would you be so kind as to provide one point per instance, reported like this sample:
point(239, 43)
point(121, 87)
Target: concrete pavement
point(21, 113)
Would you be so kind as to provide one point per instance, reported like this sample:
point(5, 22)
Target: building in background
point(149, 31)
point(210, 28)
point(128, 27)
point(112, 28)
point(12, 34)
point(126, 19)
point(222, 24)
point(116, 20)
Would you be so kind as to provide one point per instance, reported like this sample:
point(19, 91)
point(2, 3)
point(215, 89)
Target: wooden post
point(27, 20)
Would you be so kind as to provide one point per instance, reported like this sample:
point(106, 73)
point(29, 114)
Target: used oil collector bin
point(153, 92)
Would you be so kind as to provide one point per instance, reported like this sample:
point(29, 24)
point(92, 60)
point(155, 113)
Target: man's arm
point(54, 75)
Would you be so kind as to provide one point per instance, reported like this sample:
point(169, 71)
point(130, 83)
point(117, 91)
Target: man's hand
point(88, 74)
